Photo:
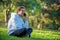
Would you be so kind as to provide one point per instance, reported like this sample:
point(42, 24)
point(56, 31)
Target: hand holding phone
point(25, 16)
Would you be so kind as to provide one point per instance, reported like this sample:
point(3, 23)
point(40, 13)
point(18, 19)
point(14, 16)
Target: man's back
point(16, 22)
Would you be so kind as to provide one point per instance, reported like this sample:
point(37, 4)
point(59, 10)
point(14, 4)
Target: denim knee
point(30, 29)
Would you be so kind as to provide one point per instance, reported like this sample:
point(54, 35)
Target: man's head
point(20, 10)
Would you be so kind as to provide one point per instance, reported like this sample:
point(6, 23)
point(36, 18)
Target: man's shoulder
point(14, 15)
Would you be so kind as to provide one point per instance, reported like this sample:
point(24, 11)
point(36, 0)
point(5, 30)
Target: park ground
point(36, 35)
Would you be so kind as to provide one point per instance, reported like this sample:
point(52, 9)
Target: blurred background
point(42, 14)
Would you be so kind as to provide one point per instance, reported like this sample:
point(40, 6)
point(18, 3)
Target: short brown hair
point(19, 8)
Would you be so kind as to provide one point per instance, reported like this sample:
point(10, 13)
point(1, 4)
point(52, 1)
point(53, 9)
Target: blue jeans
point(22, 32)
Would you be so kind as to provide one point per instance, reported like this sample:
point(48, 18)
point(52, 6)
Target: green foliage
point(43, 12)
point(2, 19)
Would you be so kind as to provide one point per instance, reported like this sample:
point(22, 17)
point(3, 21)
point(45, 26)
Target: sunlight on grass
point(46, 34)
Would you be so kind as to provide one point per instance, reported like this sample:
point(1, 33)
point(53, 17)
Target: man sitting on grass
point(18, 24)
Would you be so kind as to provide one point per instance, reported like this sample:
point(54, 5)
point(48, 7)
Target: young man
point(18, 24)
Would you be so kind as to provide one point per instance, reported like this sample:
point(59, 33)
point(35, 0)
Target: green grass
point(36, 35)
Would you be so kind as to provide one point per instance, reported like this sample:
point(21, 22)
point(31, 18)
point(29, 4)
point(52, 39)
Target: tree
point(52, 8)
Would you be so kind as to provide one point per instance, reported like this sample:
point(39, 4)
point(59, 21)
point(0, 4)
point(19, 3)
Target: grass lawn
point(36, 35)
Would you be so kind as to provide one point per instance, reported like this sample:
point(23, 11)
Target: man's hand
point(25, 17)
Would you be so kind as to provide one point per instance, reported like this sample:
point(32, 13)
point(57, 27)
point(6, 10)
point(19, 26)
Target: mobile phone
point(24, 14)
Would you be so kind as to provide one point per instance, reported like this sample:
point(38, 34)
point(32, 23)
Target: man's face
point(21, 12)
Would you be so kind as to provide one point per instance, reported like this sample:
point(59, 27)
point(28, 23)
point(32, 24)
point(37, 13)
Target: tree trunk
point(7, 15)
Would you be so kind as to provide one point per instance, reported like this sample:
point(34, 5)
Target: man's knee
point(30, 29)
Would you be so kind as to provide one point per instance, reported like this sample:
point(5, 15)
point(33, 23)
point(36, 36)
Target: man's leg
point(29, 31)
point(19, 33)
